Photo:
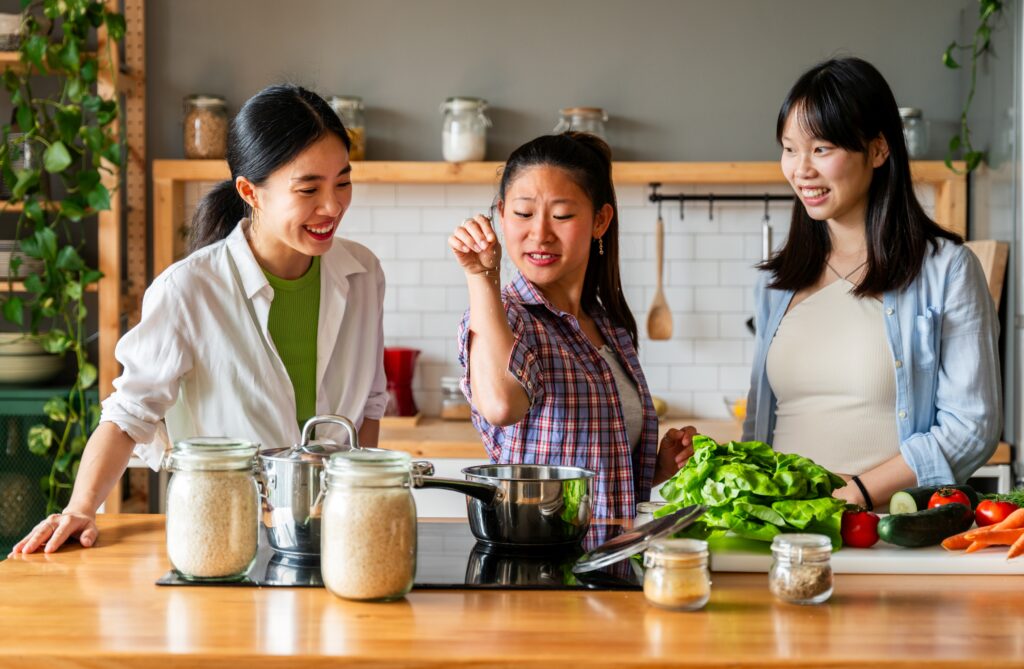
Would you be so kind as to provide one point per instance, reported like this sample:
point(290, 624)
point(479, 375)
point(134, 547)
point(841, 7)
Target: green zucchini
point(922, 494)
point(902, 502)
point(925, 528)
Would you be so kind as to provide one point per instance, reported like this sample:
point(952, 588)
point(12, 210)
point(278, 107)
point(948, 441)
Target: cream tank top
point(832, 371)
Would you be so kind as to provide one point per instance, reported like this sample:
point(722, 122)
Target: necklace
point(845, 278)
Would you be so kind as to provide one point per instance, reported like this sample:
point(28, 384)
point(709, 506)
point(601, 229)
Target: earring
point(600, 246)
point(253, 218)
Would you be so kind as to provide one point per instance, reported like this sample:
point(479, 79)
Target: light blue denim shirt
point(943, 333)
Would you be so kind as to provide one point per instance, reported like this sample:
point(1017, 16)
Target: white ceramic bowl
point(17, 343)
point(30, 368)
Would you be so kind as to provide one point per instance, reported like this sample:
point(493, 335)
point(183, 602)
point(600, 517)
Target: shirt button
point(890, 311)
point(899, 363)
point(903, 414)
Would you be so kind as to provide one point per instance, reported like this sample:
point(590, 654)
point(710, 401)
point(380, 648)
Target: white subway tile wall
point(709, 279)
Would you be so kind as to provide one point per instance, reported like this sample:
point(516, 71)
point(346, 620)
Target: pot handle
point(307, 429)
point(422, 477)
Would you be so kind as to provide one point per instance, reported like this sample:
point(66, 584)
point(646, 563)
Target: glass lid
point(637, 539)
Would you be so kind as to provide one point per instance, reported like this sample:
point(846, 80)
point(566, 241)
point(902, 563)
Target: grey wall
point(682, 80)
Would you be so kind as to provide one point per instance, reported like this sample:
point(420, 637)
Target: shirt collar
point(527, 293)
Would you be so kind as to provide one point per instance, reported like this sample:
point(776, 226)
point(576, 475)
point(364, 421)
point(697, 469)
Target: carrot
point(1013, 521)
point(957, 542)
point(1016, 549)
point(974, 547)
point(999, 538)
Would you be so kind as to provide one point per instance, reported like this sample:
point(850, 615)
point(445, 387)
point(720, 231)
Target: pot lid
point(315, 452)
point(637, 539)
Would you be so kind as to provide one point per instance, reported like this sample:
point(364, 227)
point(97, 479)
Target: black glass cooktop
point(449, 557)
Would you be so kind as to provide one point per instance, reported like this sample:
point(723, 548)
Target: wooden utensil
point(659, 318)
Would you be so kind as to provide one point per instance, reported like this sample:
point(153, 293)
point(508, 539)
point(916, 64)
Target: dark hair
point(847, 102)
point(271, 129)
point(588, 160)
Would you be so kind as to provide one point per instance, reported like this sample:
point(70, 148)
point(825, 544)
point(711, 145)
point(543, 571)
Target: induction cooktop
point(449, 557)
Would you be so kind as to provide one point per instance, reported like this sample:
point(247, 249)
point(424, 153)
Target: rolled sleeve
point(968, 415)
point(155, 354)
point(523, 364)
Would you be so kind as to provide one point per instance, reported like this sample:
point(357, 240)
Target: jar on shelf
point(582, 119)
point(368, 526)
point(206, 126)
point(915, 131)
point(454, 405)
point(10, 31)
point(464, 132)
point(676, 574)
point(801, 571)
point(212, 508)
point(352, 113)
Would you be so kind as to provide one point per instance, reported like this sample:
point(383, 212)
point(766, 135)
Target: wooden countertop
point(435, 438)
point(99, 607)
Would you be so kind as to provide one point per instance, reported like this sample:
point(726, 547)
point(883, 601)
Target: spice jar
point(676, 574)
point(368, 527)
point(453, 403)
point(645, 512)
point(212, 508)
point(582, 119)
point(206, 126)
point(801, 571)
point(351, 111)
point(464, 132)
point(914, 131)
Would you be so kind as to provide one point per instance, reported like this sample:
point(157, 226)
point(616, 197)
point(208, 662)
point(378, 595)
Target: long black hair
point(271, 129)
point(847, 102)
point(588, 161)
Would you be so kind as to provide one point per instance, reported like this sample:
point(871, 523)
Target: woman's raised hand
point(57, 528)
point(476, 246)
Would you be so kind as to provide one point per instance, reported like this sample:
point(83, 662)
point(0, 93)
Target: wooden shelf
point(8, 205)
point(19, 287)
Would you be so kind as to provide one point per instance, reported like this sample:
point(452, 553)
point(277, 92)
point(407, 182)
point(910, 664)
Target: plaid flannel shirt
point(575, 415)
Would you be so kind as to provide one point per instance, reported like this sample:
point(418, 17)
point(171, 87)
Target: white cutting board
point(883, 558)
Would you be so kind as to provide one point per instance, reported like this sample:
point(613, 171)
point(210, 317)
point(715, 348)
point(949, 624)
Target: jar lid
point(349, 101)
point(212, 453)
point(910, 112)
point(460, 103)
point(369, 462)
point(637, 539)
point(590, 112)
point(202, 100)
point(678, 552)
point(802, 546)
point(649, 507)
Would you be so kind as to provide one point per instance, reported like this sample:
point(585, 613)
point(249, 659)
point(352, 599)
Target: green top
point(294, 315)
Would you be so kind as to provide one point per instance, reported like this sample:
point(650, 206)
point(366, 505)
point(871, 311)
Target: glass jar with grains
point(212, 508)
point(676, 574)
point(351, 111)
point(206, 126)
point(454, 405)
point(582, 119)
point(801, 571)
point(368, 527)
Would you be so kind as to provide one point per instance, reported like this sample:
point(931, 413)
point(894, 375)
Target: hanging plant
point(73, 129)
point(960, 143)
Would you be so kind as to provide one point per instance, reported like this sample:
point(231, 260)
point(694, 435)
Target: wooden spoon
point(659, 318)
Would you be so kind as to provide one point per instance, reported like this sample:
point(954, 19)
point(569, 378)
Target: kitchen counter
point(432, 437)
point(98, 607)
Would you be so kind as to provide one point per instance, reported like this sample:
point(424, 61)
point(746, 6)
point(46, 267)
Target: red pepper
point(859, 528)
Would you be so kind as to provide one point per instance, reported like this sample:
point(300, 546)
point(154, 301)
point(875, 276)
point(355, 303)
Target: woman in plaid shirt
point(555, 376)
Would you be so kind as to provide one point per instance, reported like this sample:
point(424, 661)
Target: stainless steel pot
point(291, 482)
point(521, 505)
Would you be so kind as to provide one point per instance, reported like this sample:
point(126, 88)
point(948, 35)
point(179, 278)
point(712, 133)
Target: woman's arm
point(497, 395)
point(369, 433)
point(103, 463)
point(880, 482)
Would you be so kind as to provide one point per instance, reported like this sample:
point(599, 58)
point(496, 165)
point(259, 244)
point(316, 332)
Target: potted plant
point(73, 129)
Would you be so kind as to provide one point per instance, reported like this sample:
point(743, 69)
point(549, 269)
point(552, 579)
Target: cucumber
point(925, 528)
point(922, 494)
point(902, 502)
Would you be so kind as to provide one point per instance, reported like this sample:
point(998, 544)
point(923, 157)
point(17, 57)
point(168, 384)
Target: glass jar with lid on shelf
point(583, 119)
point(206, 127)
point(464, 131)
point(915, 131)
point(352, 112)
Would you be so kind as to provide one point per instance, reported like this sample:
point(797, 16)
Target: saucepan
point(537, 506)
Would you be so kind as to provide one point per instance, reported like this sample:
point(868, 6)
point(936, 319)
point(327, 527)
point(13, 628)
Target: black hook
point(711, 206)
point(767, 200)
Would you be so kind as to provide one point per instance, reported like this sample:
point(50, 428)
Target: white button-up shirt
point(197, 364)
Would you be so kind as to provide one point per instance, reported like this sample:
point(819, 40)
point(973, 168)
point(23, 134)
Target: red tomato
point(990, 512)
point(949, 496)
point(859, 529)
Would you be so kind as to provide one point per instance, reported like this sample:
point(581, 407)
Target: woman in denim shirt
point(877, 350)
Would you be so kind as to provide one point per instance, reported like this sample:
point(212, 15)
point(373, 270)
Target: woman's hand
point(56, 529)
point(476, 246)
point(674, 451)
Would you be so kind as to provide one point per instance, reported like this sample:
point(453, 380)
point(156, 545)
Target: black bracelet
point(864, 491)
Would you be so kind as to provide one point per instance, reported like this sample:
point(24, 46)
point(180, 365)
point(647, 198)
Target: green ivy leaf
point(94, 416)
point(73, 291)
point(56, 159)
point(40, 438)
point(24, 181)
point(954, 144)
point(89, 70)
point(78, 444)
point(77, 89)
point(91, 103)
point(115, 26)
point(63, 461)
point(35, 49)
point(47, 241)
point(92, 276)
point(69, 121)
point(93, 138)
point(34, 212)
point(25, 118)
point(947, 57)
point(56, 409)
point(13, 310)
point(99, 198)
point(107, 112)
point(68, 56)
point(973, 159)
point(69, 260)
point(56, 341)
point(71, 210)
point(34, 284)
point(87, 375)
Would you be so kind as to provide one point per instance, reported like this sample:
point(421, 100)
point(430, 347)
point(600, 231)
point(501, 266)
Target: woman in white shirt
point(211, 356)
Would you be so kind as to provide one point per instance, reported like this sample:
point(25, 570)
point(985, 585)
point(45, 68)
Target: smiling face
point(299, 207)
point(549, 225)
point(831, 182)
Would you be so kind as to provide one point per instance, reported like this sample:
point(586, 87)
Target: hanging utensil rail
point(711, 198)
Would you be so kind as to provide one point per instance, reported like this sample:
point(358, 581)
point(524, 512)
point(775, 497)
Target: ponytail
point(216, 216)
